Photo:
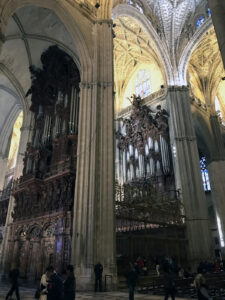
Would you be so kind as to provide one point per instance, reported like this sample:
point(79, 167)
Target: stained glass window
point(205, 174)
point(209, 12)
point(200, 21)
point(142, 86)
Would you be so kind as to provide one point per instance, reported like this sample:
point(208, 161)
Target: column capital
point(24, 128)
point(177, 88)
point(185, 138)
point(90, 85)
point(109, 22)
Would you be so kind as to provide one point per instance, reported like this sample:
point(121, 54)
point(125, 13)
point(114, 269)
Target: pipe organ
point(147, 206)
point(143, 143)
point(42, 217)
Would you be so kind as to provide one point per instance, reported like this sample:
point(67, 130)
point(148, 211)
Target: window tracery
point(205, 174)
point(200, 21)
point(142, 86)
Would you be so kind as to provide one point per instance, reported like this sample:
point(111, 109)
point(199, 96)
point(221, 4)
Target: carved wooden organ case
point(44, 193)
point(145, 191)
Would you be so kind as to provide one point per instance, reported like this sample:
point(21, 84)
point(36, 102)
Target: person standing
point(201, 287)
point(98, 269)
point(14, 276)
point(132, 277)
point(70, 284)
point(43, 287)
point(55, 289)
point(169, 281)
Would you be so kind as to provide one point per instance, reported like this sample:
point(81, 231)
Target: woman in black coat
point(70, 284)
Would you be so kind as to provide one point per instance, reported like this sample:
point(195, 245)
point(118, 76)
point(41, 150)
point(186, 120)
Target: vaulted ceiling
point(132, 47)
point(205, 67)
point(173, 14)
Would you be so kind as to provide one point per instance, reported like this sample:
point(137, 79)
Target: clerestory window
point(142, 86)
point(205, 174)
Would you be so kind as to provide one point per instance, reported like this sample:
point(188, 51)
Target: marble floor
point(28, 294)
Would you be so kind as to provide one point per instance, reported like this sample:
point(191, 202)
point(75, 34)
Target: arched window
point(209, 12)
point(205, 174)
point(142, 86)
point(200, 21)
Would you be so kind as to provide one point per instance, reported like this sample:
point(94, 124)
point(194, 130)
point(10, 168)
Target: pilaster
point(188, 175)
point(94, 228)
point(216, 169)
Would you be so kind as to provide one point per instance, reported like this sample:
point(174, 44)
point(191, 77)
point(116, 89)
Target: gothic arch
point(189, 49)
point(65, 16)
point(127, 10)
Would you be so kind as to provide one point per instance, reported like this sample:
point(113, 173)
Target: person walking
point(14, 276)
point(55, 289)
point(70, 284)
point(132, 277)
point(98, 269)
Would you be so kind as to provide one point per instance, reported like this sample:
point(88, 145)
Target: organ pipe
point(165, 155)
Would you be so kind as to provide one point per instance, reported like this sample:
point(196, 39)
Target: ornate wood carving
point(142, 124)
point(45, 191)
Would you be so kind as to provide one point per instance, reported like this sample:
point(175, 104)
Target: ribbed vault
point(132, 47)
point(205, 69)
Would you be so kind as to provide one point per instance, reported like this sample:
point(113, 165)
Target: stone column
point(3, 156)
point(26, 134)
point(218, 17)
point(188, 175)
point(94, 219)
point(216, 169)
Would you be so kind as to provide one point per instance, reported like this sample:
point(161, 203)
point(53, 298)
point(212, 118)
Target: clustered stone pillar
point(216, 168)
point(3, 157)
point(188, 175)
point(218, 17)
point(94, 219)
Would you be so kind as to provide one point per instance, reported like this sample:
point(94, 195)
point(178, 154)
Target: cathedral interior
point(112, 134)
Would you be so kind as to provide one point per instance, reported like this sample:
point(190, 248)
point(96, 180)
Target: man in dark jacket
point(55, 286)
point(98, 269)
point(14, 275)
point(169, 280)
point(132, 277)
point(70, 284)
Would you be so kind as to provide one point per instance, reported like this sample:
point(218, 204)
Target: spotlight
point(97, 5)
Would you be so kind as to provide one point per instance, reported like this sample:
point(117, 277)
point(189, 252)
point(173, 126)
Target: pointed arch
point(189, 49)
point(69, 17)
